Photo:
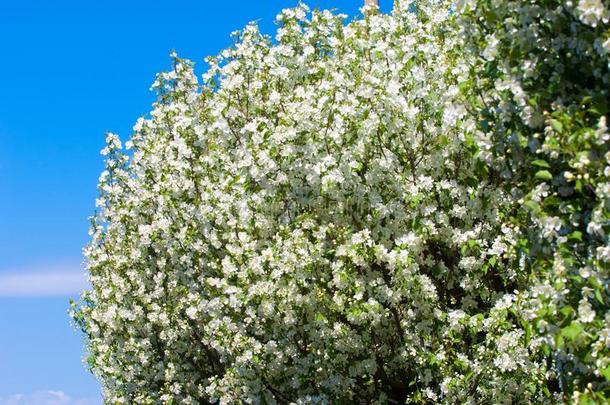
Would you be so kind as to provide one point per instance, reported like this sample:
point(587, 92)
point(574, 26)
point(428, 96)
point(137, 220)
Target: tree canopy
point(404, 208)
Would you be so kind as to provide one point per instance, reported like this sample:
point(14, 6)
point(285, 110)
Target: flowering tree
point(540, 89)
point(409, 207)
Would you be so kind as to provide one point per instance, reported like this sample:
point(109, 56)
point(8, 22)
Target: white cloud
point(43, 281)
point(48, 397)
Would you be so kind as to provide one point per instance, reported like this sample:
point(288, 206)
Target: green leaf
point(572, 331)
point(541, 163)
point(546, 391)
point(606, 373)
point(585, 399)
point(544, 175)
point(576, 235)
point(559, 342)
point(523, 142)
point(567, 311)
point(532, 206)
point(598, 296)
point(557, 126)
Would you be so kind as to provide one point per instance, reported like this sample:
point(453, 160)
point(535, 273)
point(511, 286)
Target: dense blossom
point(410, 207)
point(542, 103)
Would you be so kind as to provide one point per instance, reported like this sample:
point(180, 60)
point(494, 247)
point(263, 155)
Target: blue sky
point(70, 71)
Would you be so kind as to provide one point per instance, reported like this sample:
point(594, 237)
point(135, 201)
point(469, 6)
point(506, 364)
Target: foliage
point(406, 208)
point(543, 102)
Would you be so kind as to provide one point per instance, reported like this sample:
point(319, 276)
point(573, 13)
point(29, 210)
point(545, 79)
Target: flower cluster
point(542, 100)
point(409, 207)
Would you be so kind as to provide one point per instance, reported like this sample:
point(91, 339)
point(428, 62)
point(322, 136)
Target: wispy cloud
point(43, 281)
point(48, 397)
